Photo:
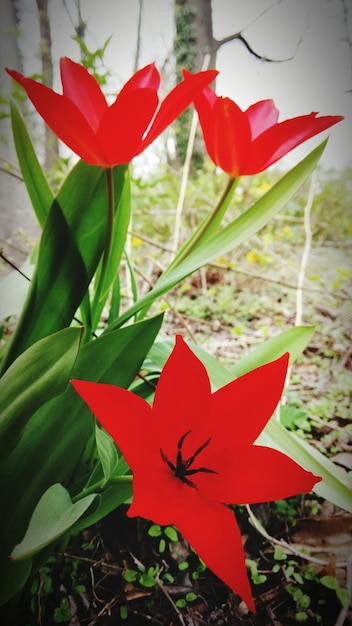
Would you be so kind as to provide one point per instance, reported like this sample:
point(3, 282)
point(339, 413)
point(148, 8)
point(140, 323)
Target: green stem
point(113, 480)
point(110, 224)
point(124, 478)
point(204, 230)
point(109, 230)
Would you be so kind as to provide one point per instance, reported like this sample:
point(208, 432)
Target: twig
point(151, 242)
point(167, 595)
point(92, 562)
point(240, 36)
point(276, 281)
point(185, 175)
point(343, 613)
point(14, 267)
point(304, 261)
point(306, 249)
point(4, 258)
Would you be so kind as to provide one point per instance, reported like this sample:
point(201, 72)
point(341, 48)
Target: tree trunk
point(194, 35)
point(51, 141)
point(194, 45)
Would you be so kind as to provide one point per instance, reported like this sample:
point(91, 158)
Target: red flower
point(194, 450)
point(109, 135)
point(248, 142)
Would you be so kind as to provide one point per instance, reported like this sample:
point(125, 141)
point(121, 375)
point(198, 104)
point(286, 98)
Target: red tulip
point(193, 452)
point(248, 142)
point(109, 135)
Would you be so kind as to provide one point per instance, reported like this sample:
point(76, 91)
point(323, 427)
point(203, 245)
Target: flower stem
point(113, 480)
point(110, 220)
point(208, 226)
point(100, 278)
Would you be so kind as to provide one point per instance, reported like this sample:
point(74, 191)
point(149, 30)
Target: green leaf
point(14, 575)
point(171, 533)
point(330, 582)
point(107, 452)
point(71, 246)
point(294, 340)
point(154, 530)
point(333, 487)
point(161, 350)
point(22, 393)
point(52, 517)
point(191, 597)
point(147, 580)
point(234, 234)
point(52, 442)
point(37, 186)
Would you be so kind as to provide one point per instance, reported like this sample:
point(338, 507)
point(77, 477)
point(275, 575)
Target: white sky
point(317, 79)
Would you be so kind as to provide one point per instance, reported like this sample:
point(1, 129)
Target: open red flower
point(109, 135)
point(248, 142)
point(193, 452)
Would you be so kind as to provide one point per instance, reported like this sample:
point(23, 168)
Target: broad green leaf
point(234, 234)
point(53, 441)
point(161, 350)
point(115, 299)
point(22, 392)
point(333, 487)
point(107, 452)
point(294, 340)
point(37, 186)
point(14, 575)
point(71, 246)
point(54, 514)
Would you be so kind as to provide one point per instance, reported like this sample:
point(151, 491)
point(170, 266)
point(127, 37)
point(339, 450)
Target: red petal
point(249, 474)
point(209, 527)
point(176, 102)
point(64, 119)
point(241, 409)
point(232, 137)
point(83, 90)
point(158, 495)
point(212, 531)
point(124, 415)
point(280, 139)
point(204, 104)
point(125, 122)
point(182, 402)
point(261, 116)
point(148, 76)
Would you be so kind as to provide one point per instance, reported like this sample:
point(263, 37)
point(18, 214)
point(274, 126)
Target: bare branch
point(241, 37)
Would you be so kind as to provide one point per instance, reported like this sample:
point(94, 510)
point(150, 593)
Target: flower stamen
point(181, 469)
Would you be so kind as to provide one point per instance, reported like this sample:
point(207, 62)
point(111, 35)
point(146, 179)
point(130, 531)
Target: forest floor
point(129, 571)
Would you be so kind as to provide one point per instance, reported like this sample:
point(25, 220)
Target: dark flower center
point(181, 469)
